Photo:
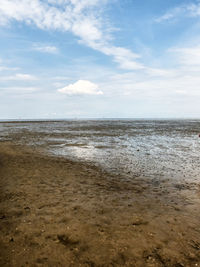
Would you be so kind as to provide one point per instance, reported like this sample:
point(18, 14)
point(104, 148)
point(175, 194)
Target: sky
point(62, 59)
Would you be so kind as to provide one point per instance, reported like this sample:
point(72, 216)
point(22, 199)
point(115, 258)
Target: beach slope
point(56, 212)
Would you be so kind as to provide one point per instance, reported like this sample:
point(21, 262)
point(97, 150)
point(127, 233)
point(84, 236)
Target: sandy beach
point(56, 212)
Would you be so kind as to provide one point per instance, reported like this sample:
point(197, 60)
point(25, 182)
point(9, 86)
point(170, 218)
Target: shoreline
point(56, 212)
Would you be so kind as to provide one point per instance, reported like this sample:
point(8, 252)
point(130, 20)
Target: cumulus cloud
point(81, 17)
point(81, 87)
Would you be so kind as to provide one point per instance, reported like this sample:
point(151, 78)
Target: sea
point(161, 149)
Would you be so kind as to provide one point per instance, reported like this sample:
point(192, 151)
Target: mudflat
point(56, 212)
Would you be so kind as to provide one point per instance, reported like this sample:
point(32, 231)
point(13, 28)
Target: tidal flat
point(62, 205)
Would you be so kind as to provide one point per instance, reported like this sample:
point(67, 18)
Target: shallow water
point(131, 148)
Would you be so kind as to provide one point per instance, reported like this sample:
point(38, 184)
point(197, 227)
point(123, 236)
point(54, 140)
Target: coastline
point(56, 212)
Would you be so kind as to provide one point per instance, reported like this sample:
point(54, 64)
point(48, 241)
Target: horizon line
point(97, 118)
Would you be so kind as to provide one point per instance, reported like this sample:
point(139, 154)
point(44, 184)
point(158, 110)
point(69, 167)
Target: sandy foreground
point(55, 212)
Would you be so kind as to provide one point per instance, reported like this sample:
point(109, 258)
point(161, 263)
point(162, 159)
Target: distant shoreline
point(96, 119)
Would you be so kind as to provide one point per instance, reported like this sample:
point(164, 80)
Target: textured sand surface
point(55, 212)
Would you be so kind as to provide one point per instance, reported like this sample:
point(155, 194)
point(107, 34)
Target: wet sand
point(56, 212)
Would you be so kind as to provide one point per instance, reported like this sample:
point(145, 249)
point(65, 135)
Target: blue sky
point(99, 59)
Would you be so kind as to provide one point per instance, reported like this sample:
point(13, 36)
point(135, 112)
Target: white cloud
point(187, 55)
point(144, 86)
point(45, 49)
point(123, 56)
point(3, 68)
point(181, 80)
point(81, 17)
point(185, 10)
point(159, 72)
point(18, 77)
point(81, 87)
point(171, 14)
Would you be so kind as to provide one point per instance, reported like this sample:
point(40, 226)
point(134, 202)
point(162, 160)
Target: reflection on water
point(150, 148)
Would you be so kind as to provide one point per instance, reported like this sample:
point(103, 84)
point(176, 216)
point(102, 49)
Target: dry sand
point(55, 212)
